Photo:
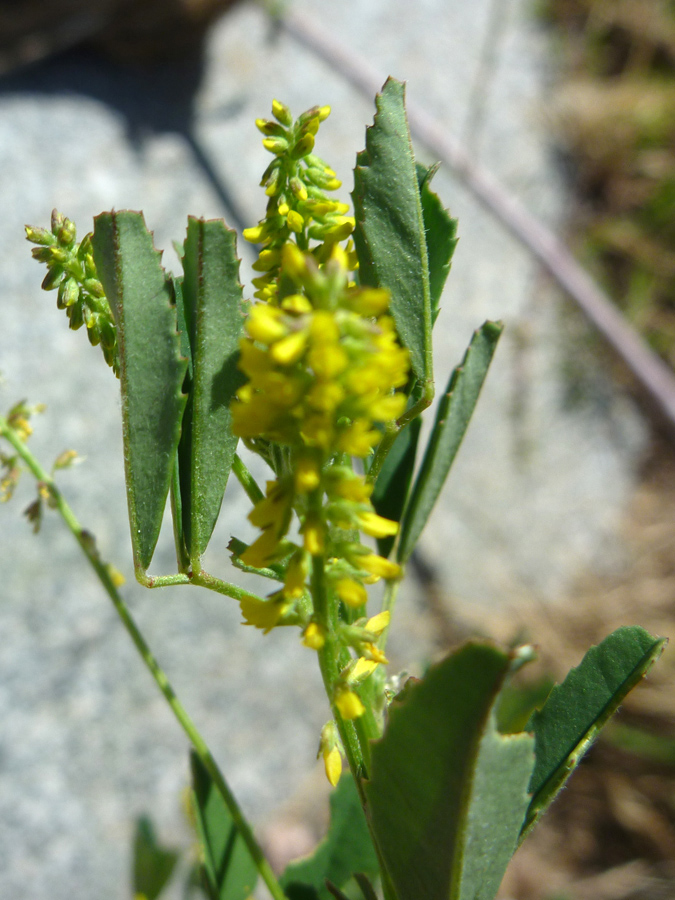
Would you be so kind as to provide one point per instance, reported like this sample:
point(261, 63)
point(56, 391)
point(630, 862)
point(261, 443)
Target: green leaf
point(212, 298)
point(448, 793)
point(393, 482)
point(452, 419)
point(389, 235)
point(441, 236)
point(568, 723)
point(153, 864)
point(151, 368)
point(230, 872)
point(346, 849)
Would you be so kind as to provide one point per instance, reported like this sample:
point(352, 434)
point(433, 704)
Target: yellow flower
point(377, 565)
point(361, 669)
point(296, 573)
point(314, 636)
point(332, 761)
point(376, 526)
point(351, 592)
point(263, 614)
point(349, 704)
point(307, 474)
point(378, 623)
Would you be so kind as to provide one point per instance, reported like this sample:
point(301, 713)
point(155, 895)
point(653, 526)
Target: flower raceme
point(322, 369)
point(298, 207)
point(323, 365)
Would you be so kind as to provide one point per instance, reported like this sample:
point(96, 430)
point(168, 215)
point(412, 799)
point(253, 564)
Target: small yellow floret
point(361, 670)
point(314, 636)
point(296, 573)
point(377, 526)
point(263, 614)
point(289, 350)
point(378, 565)
point(254, 234)
point(296, 303)
point(333, 764)
point(307, 475)
point(313, 537)
point(378, 623)
point(349, 704)
point(264, 324)
point(295, 221)
point(351, 592)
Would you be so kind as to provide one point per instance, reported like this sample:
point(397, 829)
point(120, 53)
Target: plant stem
point(246, 480)
point(387, 441)
point(201, 748)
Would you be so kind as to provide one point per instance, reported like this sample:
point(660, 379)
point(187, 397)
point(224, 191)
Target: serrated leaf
point(575, 711)
point(441, 236)
point(229, 869)
point(389, 235)
point(153, 864)
point(212, 296)
point(346, 849)
point(454, 412)
point(151, 368)
point(448, 793)
point(393, 483)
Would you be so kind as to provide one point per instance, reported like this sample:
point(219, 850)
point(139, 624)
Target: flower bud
point(276, 145)
point(269, 128)
point(282, 113)
point(51, 280)
point(67, 233)
point(302, 147)
point(69, 292)
point(39, 236)
point(57, 221)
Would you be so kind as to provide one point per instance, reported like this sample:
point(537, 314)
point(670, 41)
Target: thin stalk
point(388, 604)
point(246, 480)
point(88, 547)
point(387, 441)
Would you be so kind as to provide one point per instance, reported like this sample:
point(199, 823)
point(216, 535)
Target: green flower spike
point(298, 208)
point(71, 271)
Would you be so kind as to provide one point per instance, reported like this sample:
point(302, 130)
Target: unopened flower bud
point(67, 233)
point(302, 147)
point(69, 292)
point(282, 113)
point(276, 145)
point(51, 280)
point(39, 236)
point(57, 221)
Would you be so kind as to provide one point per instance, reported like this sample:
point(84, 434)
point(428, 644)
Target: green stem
point(388, 603)
point(246, 480)
point(387, 441)
point(201, 748)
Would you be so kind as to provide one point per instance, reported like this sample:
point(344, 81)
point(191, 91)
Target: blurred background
point(557, 523)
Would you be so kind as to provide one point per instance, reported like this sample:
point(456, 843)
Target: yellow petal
point(333, 764)
point(349, 705)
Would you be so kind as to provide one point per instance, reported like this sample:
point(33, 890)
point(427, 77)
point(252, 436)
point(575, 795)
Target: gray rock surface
point(86, 743)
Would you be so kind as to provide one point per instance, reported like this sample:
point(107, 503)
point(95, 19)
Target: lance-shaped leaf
point(211, 298)
point(346, 849)
point(389, 235)
point(151, 368)
point(452, 419)
point(575, 711)
point(153, 864)
point(229, 870)
point(393, 482)
point(448, 793)
point(441, 236)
